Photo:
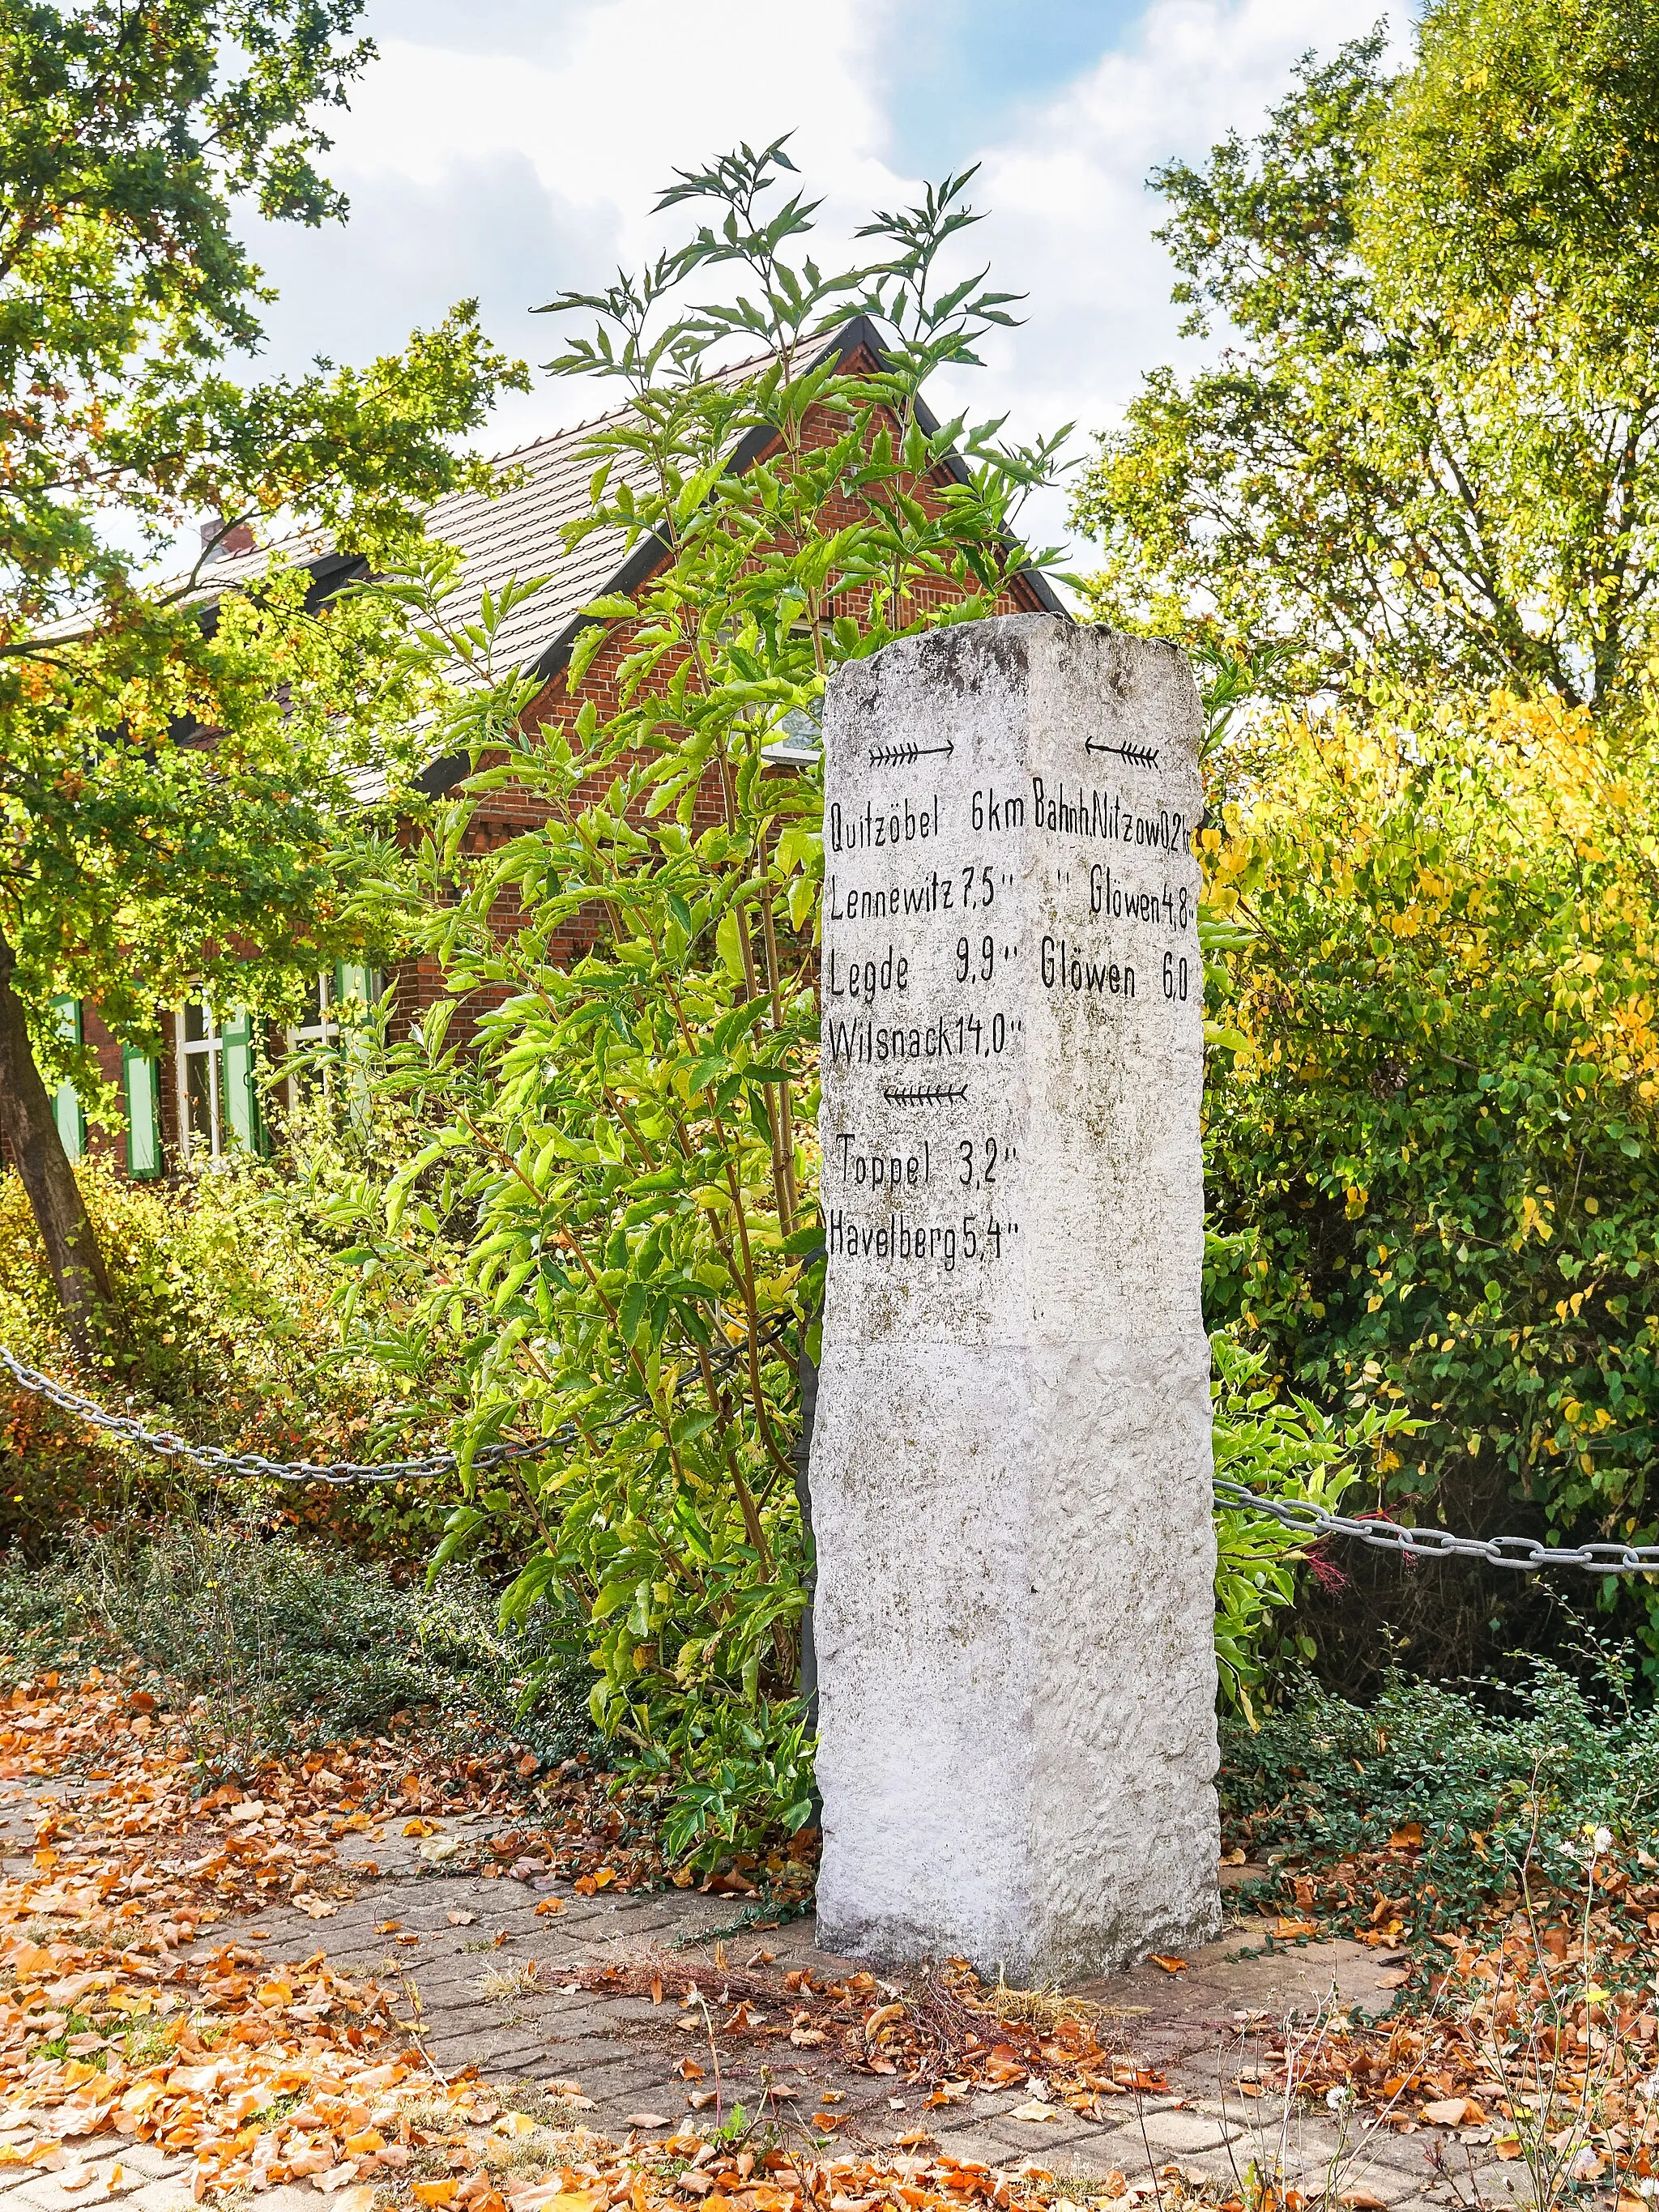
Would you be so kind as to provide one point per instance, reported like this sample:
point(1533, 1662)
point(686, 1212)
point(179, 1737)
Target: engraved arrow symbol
point(902, 756)
point(929, 1094)
point(1132, 755)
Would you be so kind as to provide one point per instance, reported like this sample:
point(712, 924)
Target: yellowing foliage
point(1435, 937)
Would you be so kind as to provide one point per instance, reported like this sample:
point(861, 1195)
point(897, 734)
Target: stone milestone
point(1011, 1458)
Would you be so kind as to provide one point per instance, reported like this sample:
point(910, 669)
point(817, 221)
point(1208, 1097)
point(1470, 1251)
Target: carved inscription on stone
point(968, 892)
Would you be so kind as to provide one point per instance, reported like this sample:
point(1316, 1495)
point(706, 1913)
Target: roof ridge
point(609, 414)
point(547, 438)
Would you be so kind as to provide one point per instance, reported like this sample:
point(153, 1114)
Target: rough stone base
point(1016, 1742)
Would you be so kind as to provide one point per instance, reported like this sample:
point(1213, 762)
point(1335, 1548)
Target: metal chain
point(1524, 1553)
point(211, 1458)
point(340, 1472)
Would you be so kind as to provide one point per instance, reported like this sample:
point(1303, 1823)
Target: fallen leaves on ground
point(1389, 1900)
point(123, 2019)
point(1542, 2028)
point(269, 1831)
point(109, 2032)
point(688, 2171)
point(1533, 2017)
point(945, 2029)
point(249, 1838)
point(138, 2004)
point(728, 2179)
point(266, 2075)
point(133, 2009)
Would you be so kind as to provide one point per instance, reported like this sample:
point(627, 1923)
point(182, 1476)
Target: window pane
point(195, 1022)
point(66, 1105)
point(240, 1095)
point(201, 1099)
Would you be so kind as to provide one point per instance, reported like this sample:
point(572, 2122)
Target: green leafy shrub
point(1287, 1450)
point(1488, 1774)
point(230, 1292)
point(750, 1773)
point(1433, 1142)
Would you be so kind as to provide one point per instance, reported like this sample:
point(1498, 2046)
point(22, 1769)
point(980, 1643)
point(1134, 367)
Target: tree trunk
point(30, 1129)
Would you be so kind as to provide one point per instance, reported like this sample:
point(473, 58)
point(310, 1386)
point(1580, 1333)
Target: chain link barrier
point(342, 1473)
point(1524, 1554)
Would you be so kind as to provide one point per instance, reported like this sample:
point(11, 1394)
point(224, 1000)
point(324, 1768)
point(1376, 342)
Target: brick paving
point(499, 1992)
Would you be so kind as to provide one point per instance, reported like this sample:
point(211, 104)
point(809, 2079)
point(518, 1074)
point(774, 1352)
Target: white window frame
point(210, 1046)
point(325, 1031)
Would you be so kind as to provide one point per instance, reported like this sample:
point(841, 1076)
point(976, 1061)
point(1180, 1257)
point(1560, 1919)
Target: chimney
point(239, 538)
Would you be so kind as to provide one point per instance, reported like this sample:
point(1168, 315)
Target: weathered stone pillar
point(1010, 1463)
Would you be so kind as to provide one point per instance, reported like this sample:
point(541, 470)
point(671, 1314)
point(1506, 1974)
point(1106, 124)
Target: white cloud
point(1072, 220)
point(510, 147)
point(638, 87)
point(492, 159)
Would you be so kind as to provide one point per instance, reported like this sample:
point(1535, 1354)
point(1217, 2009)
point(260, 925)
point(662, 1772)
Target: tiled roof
point(514, 533)
point(517, 533)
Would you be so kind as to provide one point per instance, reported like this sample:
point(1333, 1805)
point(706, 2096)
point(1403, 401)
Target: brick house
point(202, 1095)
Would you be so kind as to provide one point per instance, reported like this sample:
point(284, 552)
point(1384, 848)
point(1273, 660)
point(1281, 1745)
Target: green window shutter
point(65, 1105)
point(241, 1099)
point(353, 981)
point(355, 991)
point(141, 1076)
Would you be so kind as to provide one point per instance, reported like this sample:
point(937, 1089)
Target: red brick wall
point(510, 811)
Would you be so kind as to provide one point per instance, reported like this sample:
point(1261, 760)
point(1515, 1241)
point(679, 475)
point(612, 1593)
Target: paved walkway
point(491, 1982)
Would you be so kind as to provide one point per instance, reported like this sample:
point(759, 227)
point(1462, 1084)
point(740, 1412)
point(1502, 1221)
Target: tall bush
point(234, 1302)
point(1434, 1143)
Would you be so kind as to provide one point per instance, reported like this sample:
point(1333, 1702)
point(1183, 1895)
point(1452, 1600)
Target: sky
point(509, 149)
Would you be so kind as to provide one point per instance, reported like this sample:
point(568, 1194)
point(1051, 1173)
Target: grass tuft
point(295, 1642)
